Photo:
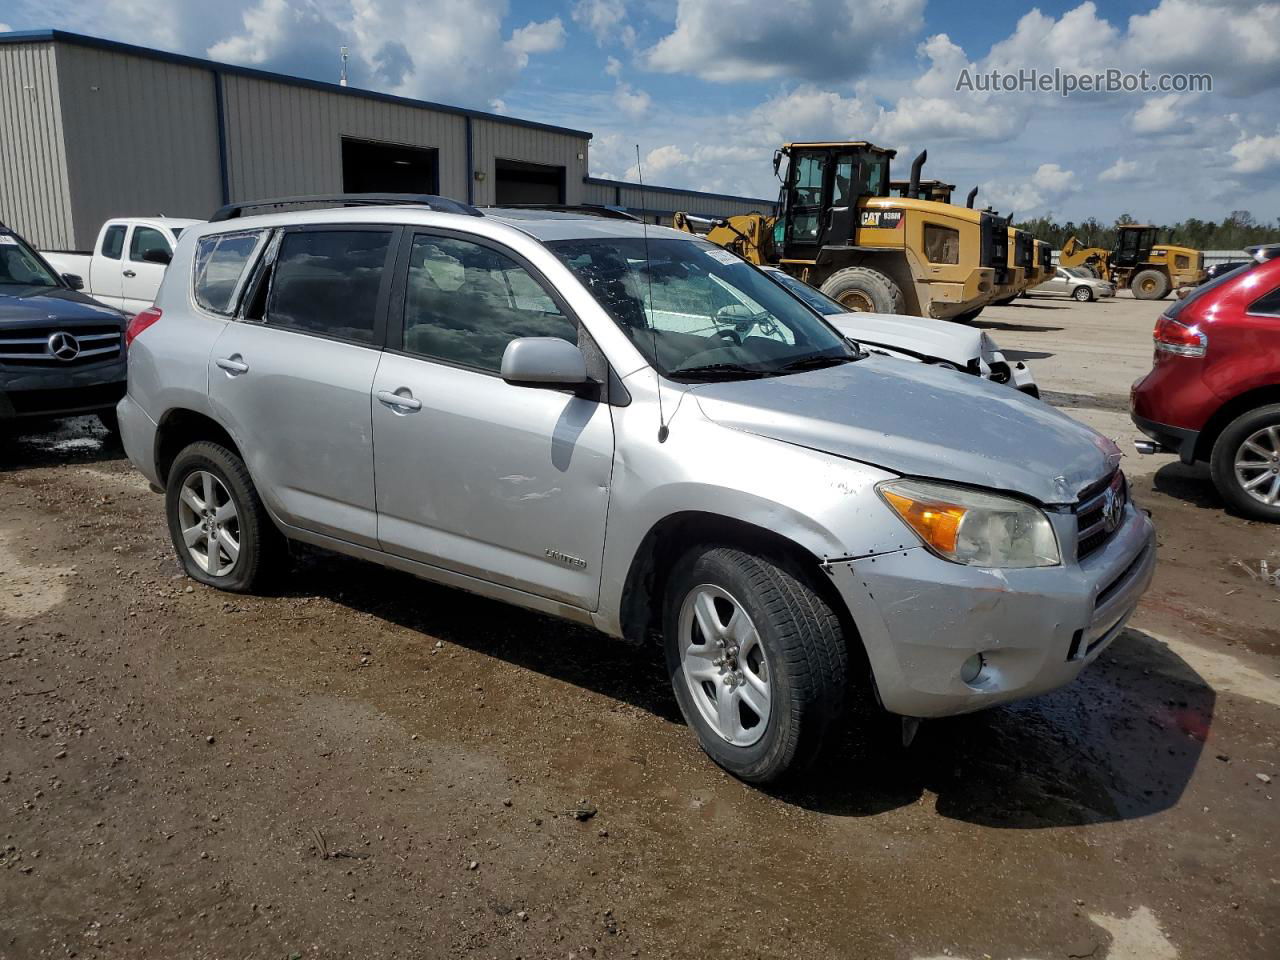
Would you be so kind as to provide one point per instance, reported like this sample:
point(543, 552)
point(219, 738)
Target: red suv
point(1213, 393)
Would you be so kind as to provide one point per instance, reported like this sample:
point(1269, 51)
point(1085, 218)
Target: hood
point(51, 304)
point(923, 421)
point(920, 336)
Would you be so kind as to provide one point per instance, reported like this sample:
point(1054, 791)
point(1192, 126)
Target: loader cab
point(820, 193)
point(1133, 245)
point(934, 190)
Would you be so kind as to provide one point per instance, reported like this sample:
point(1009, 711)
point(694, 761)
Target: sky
point(708, 89)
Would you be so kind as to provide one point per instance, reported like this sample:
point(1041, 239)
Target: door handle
point(130, 273)
point(233, 365)
point(398, 401)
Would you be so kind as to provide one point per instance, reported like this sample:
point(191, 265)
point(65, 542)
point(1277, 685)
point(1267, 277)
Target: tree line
point(1236, 231)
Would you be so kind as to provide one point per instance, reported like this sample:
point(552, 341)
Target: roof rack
point(590, 209)
point(440, 204)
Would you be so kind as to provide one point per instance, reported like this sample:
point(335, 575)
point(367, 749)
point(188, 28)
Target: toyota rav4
point(630, 428)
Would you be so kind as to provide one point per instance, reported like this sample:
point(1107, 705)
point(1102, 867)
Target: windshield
point(696, 311)
point(19, 266)
point(814, 298)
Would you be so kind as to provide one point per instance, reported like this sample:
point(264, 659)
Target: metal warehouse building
point(92, 129)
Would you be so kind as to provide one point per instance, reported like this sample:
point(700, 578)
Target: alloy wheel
point(722, 658)
point(1257, 465)
point(210, 523)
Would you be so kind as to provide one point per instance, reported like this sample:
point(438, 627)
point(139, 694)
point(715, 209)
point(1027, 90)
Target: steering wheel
point(731, 335)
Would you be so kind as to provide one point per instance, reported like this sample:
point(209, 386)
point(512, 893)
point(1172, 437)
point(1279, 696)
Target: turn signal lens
point(973, 527)
point(937, 523)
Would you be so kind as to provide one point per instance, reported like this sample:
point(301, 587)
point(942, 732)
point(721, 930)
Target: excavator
point(1150, 269)
point(838, 229)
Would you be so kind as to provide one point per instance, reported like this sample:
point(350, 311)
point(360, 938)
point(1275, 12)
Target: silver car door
point(292, 379)
point(508, 484)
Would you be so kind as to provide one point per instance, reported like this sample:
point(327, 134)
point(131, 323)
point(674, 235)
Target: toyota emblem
point(1112, 508)
point(64, 346)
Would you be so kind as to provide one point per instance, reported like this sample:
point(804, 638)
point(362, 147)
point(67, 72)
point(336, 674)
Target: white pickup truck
point(127, 263)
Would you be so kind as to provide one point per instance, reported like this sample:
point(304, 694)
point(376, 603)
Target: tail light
point(139, 323)
point(1177, 338)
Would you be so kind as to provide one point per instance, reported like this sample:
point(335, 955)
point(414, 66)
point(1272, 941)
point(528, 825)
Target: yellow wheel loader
point(1017, 277)
point(838, 229)
point(1149, 269)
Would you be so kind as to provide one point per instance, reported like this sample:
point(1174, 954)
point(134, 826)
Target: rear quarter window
point(221, 260)
point(1267, 305)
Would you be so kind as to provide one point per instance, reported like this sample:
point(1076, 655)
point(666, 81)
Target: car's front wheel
point(219, 527)
point(1245, 463)
point(757, 660)
point(1083, 294)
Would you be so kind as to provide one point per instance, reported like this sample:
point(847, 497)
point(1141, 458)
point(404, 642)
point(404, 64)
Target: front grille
point(34, 346)
point(63, 399)
point(1099, 510)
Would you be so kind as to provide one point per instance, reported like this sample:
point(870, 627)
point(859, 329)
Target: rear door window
point(465, 302)
point(1268, 305)
point(113, 242)
point(220, 263)
point(329, 282)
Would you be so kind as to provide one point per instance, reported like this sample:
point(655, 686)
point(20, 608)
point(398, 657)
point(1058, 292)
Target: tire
point(111, 423)
point(864, 290)
point(1082, 293)
point(1252, 437)
point(207, 467)
point(791, 647)
point(1149, 285)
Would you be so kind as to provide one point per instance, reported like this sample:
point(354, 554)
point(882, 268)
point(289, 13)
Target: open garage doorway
point(516, 181)
point(371, 166)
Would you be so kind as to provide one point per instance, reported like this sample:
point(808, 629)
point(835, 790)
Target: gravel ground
point(363, 764)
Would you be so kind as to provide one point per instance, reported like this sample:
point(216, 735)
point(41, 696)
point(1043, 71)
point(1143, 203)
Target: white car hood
point(918, 336)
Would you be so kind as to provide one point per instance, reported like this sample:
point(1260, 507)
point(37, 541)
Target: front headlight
point(967, 526)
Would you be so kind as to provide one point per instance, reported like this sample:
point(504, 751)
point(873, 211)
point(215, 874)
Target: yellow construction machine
point(838, 229)
point(1139, 261)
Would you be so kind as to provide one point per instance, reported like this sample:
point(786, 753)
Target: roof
point(841, 143)
point(650, 188)
point(115, 46)
point(922, 183)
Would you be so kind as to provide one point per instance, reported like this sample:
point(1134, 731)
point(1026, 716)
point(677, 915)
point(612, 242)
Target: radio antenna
point(663, 430)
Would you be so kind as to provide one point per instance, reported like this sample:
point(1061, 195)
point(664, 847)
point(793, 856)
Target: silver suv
point(628, 427)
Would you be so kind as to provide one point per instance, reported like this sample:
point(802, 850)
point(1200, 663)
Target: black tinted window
point(1267, 305)
point(466, 302)
point(327, 281)
point(113, 242)
point(220, 262)
point(144, 239)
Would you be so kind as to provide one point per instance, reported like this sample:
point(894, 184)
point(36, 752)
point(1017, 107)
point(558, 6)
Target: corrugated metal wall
point(141, 138)
point(34, 196)
point(284, 140)
point(663, 202)
point(501, 141)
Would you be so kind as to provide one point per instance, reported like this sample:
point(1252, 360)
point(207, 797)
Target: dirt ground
point(365, 765)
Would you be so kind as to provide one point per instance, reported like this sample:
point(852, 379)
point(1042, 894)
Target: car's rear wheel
point(1245, 463)
point(757, 660)
point(1082, 293)
point(219, 527)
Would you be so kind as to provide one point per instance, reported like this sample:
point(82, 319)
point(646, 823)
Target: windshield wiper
point(717, 371)
point(818, 361)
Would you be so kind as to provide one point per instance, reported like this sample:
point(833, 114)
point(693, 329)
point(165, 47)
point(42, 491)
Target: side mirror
point(777, 161)
point(543, 362)
point(74, 281)
point(157, 255)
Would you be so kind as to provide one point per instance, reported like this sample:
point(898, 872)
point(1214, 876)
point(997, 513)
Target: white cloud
point(1160, 115)
point(633, 103)
point(1053, 180)
point(730, 41)
point(5, 28)
point(544, 37)
point(613, 67)
point(1241, 47)
point(1048, 184)
point(607, 21)
point(1120, 171)
point(1257, 154)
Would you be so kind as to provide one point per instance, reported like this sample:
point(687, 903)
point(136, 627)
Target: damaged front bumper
point(944, 638)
